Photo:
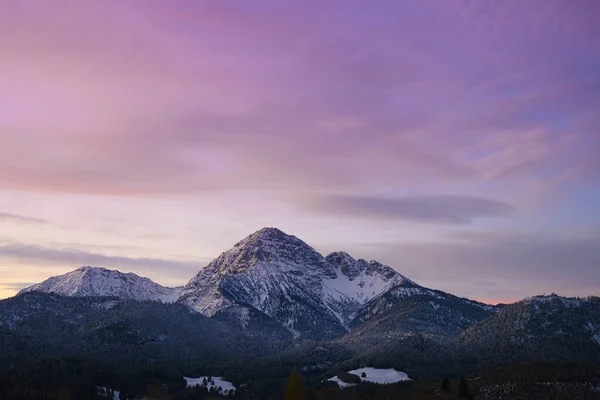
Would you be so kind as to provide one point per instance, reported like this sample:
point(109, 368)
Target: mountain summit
point(94, 281)
point(284, 278)
point(268, 245)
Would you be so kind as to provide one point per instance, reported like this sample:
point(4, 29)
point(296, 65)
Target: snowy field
point(218, 382)
point(374, 375)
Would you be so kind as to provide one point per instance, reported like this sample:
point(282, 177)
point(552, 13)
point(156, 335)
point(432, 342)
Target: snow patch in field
point(227, 387)
point(381, 376)
point(340, 382)
point(374, 375)
point(105, 391)
point(597, 338)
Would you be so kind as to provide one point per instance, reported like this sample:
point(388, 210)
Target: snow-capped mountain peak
point(273, 246)
point(263, 270)
point(266, 246)
point(96, 281)
point(286, 279)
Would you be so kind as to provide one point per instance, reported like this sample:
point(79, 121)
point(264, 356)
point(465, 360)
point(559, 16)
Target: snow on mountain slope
point(91, 281)
point(356, 282)
point(286, 279)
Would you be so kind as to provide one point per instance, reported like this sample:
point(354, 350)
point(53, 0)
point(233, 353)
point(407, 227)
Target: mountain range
point(274, 295)
point(277, 276)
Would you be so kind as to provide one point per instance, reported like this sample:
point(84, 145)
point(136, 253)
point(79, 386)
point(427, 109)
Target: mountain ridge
point(272, 276)
point(552, 328)
point(90, 281)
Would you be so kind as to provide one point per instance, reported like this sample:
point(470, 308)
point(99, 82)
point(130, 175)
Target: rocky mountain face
point(276, 274)
point(286, 279)
point(92, 281)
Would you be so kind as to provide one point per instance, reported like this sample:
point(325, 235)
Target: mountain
point(287, 280)
point(90, 281)
point(409, 308)
point(537, 329)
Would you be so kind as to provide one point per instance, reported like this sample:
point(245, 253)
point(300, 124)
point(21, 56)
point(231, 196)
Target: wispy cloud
point(440, 209)
point(16, 286)
point(20, 219)
point(26, 253)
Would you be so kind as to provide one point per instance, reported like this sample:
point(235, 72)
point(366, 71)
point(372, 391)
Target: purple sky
point(457, 141)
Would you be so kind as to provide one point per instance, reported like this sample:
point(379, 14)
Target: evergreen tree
point(293, 388)
point(464, 392)
point(311, 395)
point(445, 386)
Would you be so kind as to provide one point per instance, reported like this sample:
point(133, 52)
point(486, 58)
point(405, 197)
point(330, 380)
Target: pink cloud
point(147, 98)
